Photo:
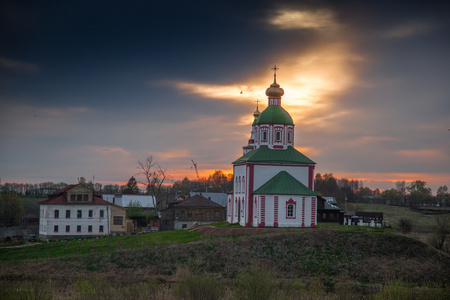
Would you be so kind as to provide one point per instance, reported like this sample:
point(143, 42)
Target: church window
point(289, 137)
point(290, 209)
point(278, 136)
point(264, 136)
point(243, 185)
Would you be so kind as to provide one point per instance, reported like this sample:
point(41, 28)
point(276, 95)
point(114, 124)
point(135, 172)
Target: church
point(273, 182)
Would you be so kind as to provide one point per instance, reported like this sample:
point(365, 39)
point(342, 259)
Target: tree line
point(417, 193)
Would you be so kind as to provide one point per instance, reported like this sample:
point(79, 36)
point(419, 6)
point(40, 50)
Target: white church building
point(273, 182)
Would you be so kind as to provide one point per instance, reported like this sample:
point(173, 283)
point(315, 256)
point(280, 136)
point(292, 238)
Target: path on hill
point(211, 230)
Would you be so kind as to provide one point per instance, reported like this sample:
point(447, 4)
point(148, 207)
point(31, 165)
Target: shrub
point(25, 290)
point(404, 226)
point(193, 287)
point(257, 283)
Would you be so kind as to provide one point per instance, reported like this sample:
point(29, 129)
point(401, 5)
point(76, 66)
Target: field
point(328, 262)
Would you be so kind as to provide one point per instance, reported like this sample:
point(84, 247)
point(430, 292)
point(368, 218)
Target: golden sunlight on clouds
point(428, 154)
point(309, 151)
point(171, 154)
point(311, 76)
point(111, 151)
point(303, 19)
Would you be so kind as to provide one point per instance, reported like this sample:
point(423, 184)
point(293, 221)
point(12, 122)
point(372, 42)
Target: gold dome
point(274, 91)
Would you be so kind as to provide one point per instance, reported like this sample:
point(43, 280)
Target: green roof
point(274, 114)
point(284, 184)
point(265, 155)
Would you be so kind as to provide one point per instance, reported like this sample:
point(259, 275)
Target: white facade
point(75, 212)
point(74, 220)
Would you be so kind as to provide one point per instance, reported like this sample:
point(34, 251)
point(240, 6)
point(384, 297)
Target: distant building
point(145, 201)
point(219, 198)
point(183, 213)
point(328, 211)
point(75, 212)
point(364, 218)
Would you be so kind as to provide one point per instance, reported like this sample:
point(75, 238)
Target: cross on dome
point(274, 68)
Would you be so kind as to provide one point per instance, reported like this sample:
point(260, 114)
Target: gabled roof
point(265, 155)
point(198, 201)
point(284, 184)
point(60, 197)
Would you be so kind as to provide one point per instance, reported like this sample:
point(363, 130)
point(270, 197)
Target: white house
point(273, 182)
point(76, 212)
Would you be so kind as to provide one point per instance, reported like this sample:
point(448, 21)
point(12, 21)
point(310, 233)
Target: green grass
point(225, 225)
point(63, 249)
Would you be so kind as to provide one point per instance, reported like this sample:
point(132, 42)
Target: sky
point(87, 88)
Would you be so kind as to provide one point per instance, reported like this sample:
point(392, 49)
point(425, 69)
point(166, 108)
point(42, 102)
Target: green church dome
point(274, 114)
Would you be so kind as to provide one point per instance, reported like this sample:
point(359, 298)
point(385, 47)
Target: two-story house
point(75, 212)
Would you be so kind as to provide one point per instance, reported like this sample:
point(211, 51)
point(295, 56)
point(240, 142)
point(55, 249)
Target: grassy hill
point(325, 262)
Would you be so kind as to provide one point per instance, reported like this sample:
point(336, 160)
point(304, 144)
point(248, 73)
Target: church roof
point(284, 184)
point(265, 155)
point(274, 114)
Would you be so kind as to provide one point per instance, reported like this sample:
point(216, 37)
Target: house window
point(102, 213)
point(68, 213)
point(78, 228)
point(90, 228)
point(184, 226)
point(182, 214)
point(196, 215)
point(67, 228)
point(216, 215)
point(55, 229)
point(278, 136)
point(86, 198)
point(79, 213)
point(190, 214)
point(72, 198)
point(56, 214)
point(324, 216)
point(118, 220)
point(91, 213)
point(79, 198)
point(208, 215)
point(100, 229)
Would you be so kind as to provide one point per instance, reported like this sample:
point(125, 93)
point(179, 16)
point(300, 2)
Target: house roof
point(284, 184)
point(265, 155)
point(60, 197)
point(198, 201)
point(274, 114)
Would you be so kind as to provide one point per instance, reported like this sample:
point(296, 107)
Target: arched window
point(243, 184)
point(278, 136)
point(264, 136)
point(290, 209)
point(289, 137)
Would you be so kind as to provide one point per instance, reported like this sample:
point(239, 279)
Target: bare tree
point(155, 177)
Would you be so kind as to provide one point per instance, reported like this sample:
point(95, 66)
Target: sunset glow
point(365, 85)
